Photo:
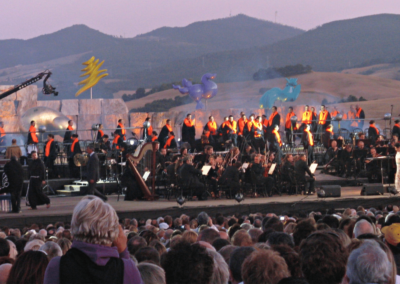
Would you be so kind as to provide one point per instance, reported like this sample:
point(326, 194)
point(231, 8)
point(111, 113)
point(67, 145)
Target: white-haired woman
point(98, 253)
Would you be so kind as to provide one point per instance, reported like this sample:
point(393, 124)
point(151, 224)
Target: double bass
point(135, 158)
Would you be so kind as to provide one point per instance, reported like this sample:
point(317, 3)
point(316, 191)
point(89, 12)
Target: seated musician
point(190, 176)
point(276, 143)
point(380, 141)
point(361, 136)
point(246, 157)
point(301, 169)
point(328, 136)
point(234, 156)
point(373, 167)
point(170, 168)
point(183, 152)
point(204, 157)
point(212, 177)
point(373, 132)
point(170, 143)
point(287, 168)
point(331, 158)
point(258, 173)
point(203, 141)
point(105, 144)
point(360, 153)
point(348, 163)
point(162, 160)
point(231, 179)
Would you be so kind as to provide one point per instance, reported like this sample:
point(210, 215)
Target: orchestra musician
point(361, 115)
point(306, 118)
point(276, 143)
point(348, 165)
point(170, 143)
point(360, 153)
point(258, 173)
point(121, 129)
point(167, 128)
point(2, 134)
point(189, 131)
point(328, 136)
point(331, 158)
point(231, 179)
point(290, 126)
point(50, 155)
point(190, 176)
point(212, 127)
point(308, 142)
point(68, 132)
point(147, 130)
point(74, 149)
point(301, 169)
point(373, 167)
point(396, 128)
point(274, 119)
point(324, 120)
point(248, 152)
point(204, 157)
point(287, 167)
point(373, 132)
point(258, 139)
point(100, 132)
point(105, 144)
point(212, 177)
point(162, 159)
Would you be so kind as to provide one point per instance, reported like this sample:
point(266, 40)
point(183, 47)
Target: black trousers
point(310, 184)
point(92, 190)
point(310, 153)
point(258, 144)
point(290, 138)
point(191, 140)
point(16, 201)
point(49, 162)
point(274, 147)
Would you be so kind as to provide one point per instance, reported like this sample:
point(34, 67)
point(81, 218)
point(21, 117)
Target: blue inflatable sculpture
point(289, 93)
point(206, 90)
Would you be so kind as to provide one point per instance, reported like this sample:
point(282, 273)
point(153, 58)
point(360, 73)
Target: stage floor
point(62, 207)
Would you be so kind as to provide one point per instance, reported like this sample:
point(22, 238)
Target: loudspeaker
point(372, 189)
point(330, 191)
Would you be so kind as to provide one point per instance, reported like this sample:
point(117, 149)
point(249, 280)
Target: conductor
point(93, 173)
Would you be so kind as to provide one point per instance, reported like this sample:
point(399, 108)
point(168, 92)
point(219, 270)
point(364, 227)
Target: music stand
point(313, 167)
point(146, 175)
point(272, 169)
point(205, 170)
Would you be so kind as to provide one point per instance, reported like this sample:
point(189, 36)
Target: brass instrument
point(136, 157)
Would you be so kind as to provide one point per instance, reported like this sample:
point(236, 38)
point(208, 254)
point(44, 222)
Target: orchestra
point(246, 151)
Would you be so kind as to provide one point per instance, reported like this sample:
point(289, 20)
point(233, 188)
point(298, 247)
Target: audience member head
point(363, 227)
point(4, 248)
point(254, 234)
point(136, 243)
point(220, 243)
point(148, 254)
point(242, 239)
point(29, 268)
point(52, 249)
point(303, 229)
point(292, 259)
point(208, 235)
point(236, 260)
point(151, 273)
point(279, 238)
point(4, 272)
point(220, 269)
point(64, 244)
point(33, 245)
point(273, 223)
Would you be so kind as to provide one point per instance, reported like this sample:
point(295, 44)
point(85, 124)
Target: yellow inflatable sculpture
point(91, 69)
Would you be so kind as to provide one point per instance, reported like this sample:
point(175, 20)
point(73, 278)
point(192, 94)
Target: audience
point(351, 246)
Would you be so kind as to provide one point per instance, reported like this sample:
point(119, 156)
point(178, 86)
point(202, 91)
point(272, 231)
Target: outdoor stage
point(62, 207)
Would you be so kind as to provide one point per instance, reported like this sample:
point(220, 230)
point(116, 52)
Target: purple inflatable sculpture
point(206, 90)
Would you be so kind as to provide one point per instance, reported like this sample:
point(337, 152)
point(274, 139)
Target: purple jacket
point(100, 255)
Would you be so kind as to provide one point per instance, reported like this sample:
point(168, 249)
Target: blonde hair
point(190, 237)
point(94, 221)
point(151, 273)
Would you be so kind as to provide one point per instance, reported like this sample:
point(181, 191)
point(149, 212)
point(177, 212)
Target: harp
point(145, 155)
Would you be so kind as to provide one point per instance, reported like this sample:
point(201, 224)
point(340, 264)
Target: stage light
point(387, 116)
point(392, 190)
point(239, 197)
point(146, 124)
point(293, 119)
point(95, 127)
point(339, 117)
point(42, 129)
point(181, 200)
point(321, 193)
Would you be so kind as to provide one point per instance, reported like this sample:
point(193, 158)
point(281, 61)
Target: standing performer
point(50, 155)
point(397, 177)
point(100, 133)
point(396, 128)
point(117, 142)
point(212, 127)
point(35, 195)
point(276, 144)
point(2, 134)
point(147, 130)
point(189, 131)
point(361, 115)
point(328, 136)
point(74, 149)
point(13, 183)
point(32, 138)
point(241, 123)
point(306, 118)
point(170, 143)
point(324, 119)
point(335, 123)
point(314, 120)
point(274, 119)
point(232, 128)
point(258, 140)
point(92, 174)
point(121, 129)
point(68, 132)
point(167, 128)
point(308, 142)
point(373, 132)
point(290, 126)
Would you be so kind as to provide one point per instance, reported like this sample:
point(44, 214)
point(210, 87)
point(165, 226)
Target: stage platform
point(62, 207)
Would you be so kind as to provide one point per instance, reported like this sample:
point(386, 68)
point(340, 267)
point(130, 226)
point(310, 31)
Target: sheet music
point(205, 170)
point(272, 169)
point(146, 175)
point(313, 167)
point(245, 166)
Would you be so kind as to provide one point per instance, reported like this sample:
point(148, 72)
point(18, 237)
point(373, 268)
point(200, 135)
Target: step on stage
point(62, 207)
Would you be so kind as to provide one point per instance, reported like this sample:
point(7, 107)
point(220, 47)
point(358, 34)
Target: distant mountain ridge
point(124, 56)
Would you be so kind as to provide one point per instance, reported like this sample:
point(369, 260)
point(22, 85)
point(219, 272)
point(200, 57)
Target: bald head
point(363, 227)
point(4, 272)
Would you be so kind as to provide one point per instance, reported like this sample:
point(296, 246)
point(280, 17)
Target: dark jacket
point(53, 150)
point(301, 169)
point(12, 181)
point(92, 168)
point(67, 135)
point(36, 168)
point(330, 154)
point(326, 139)
point(77, 150)
point(188, 131)
point(188, 173)
point(231, 174)
point(396, 131)
point(372, 134)
point(163, 135)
